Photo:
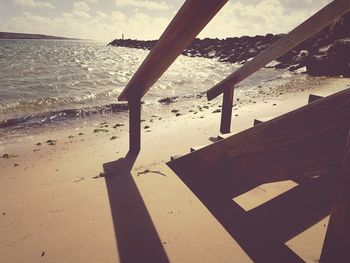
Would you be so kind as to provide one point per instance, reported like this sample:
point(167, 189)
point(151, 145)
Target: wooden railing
point(188, 22)
point(185, 26)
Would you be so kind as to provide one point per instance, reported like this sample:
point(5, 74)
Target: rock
point(301, 57)
point(217, 111)
point(287, 57)
point(118, 125)
point(114, 137)
point(335, 62)
point(146, 127)
point(175, 111)
point(169, 100)
point(51, 142)
point(100, 130)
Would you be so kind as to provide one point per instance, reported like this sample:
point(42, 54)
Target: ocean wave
point(38, 104)
point(61, 115)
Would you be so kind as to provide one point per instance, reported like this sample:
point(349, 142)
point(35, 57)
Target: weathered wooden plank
point(226, 114)
point(135, 126)
point(336, 247)
point(188, 22)
point(312, 25)
point(303, 143)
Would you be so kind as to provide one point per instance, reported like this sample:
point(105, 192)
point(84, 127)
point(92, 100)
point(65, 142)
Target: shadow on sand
point(137, 238)
point(263, 231)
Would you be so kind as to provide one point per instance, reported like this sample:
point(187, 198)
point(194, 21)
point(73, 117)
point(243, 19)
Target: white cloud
point(81, 9)
point(261, 17)
point(118, 16)
point(81, 6)
point(151, 5)
point(33, 4)
point(101, 15)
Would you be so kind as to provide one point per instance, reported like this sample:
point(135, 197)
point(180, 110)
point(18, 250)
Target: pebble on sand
point(100, 130)
point(51, 142)
point(6, 155)
point(118, 125)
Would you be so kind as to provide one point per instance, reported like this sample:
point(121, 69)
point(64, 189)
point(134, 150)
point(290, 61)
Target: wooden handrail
point(185, 26)
point(312, 25)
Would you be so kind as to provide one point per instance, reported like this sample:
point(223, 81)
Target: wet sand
point(70, 195)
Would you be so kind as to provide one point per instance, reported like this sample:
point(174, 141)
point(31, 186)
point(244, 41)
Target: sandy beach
point(67, 195)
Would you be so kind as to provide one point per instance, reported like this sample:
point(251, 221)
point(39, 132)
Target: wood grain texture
point(336, 247)
point(226, 114)
point(134, 126)
point(188, 22)
point(303, 143)
point(312, 25)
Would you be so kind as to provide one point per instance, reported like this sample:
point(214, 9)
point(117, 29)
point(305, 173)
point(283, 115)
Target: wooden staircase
point(256, 122)
point(306, 145)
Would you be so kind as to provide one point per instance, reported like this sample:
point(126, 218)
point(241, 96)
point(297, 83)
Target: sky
point(106, 20)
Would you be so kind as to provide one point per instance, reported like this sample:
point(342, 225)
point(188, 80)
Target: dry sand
point(75, 201)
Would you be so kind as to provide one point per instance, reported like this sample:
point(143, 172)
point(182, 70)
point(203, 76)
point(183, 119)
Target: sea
point(50, 82)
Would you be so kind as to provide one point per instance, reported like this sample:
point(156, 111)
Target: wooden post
point(336, 247)
point(134, 125)
point(226, 114)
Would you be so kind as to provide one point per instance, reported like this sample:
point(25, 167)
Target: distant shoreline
point(12, 35)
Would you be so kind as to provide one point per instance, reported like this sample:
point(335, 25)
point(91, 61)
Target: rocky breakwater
point(325, 54)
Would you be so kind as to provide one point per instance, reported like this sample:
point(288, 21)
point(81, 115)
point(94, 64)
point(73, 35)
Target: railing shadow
point(136, 236)
point(263, 231)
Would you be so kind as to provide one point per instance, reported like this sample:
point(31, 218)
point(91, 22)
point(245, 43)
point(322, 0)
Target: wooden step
point(173, 157)
point(224, 136)
point(313, 98)
point(195, 148)
point(261, 120)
